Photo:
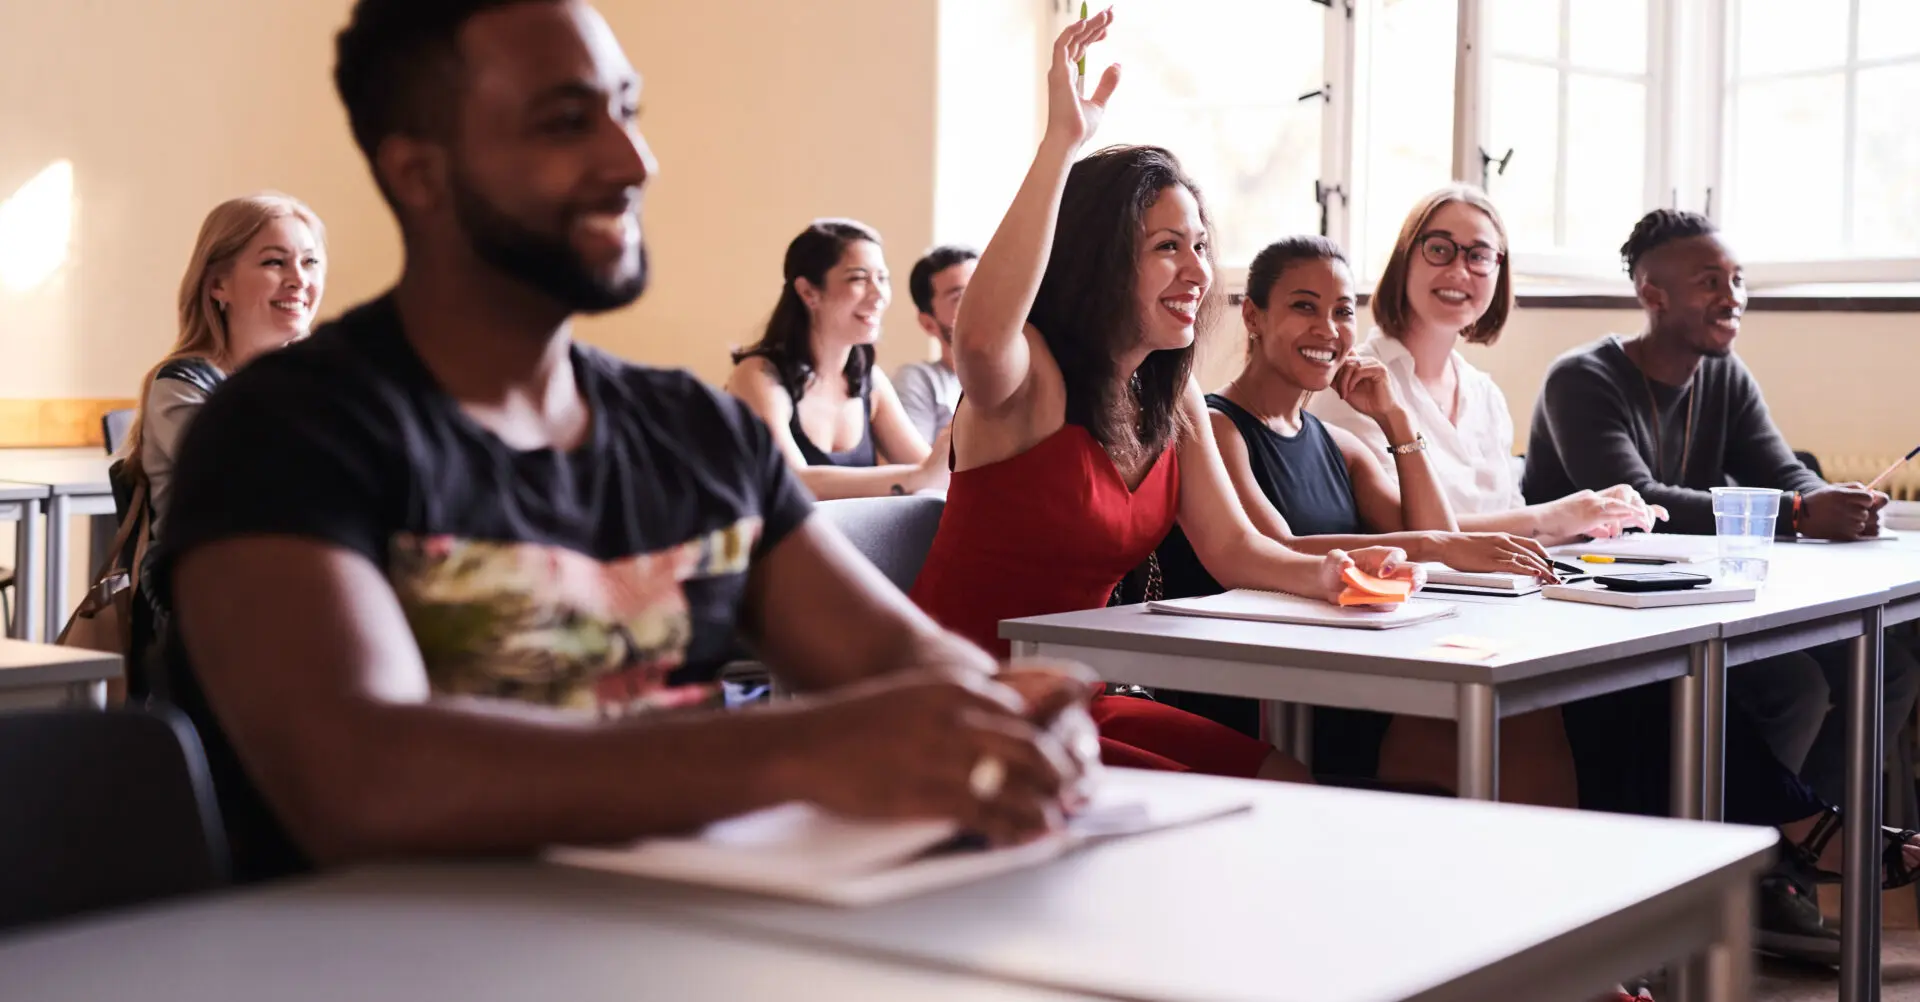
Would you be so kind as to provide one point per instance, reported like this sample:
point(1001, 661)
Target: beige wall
point(763, 113)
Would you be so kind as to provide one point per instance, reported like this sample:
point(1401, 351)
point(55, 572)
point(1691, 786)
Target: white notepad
point(1901, 515)
point(1675, 547)
point(1441, 578)
point(800, 851)
point(1274, 607)
point(1711, 594)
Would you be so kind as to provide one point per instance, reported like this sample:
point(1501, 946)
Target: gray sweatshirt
point(1594, 427)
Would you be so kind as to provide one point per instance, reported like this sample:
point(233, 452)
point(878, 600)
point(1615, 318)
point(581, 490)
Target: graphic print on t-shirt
point(549, 625)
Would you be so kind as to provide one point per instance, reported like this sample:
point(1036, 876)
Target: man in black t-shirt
point(440, 572)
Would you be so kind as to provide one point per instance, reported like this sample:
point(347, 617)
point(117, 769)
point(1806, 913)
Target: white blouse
point(1473, 459)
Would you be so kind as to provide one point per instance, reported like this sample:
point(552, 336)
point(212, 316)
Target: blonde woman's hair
point(203, 327)
point(1391, 309)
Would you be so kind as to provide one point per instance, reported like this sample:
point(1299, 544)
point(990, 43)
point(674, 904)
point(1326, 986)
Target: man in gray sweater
point(1673, 413)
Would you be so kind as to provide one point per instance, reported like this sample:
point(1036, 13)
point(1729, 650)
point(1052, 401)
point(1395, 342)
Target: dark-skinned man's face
point(548, 166)
point(1700, 293)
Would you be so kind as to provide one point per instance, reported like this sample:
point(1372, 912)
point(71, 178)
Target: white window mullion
point(1469, 93)
point(1336, 131)
point(1563, 80)
point(1850, 124)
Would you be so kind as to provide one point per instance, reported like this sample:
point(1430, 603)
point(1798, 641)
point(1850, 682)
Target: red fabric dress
point(1054, 529)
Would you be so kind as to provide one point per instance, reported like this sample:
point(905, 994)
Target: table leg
point(1728, 961)
point(1866, 756)
point(1300, 733)
point(1713, 731)
point(88, 695)
point(1024, 649)
point(1477, 712)
point(26, 573)
point(1688, 708)
point(59, 521)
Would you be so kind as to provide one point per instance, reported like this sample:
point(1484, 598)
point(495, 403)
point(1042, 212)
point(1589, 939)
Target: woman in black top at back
point(1315, 487)
point(812, 379)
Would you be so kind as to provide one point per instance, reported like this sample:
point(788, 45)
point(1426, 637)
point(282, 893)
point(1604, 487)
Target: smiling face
point(1695, 293)
point(269, 292)
point(1172, 272)
point(1452, 296)
point(546, 174)
point(1307, 328)
point(853, 295)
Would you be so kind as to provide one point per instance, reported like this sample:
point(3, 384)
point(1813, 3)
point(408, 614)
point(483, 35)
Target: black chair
point(1811, 462)
point(103, 810)
point(114, 426)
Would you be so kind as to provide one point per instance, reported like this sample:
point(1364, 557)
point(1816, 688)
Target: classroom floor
point(1899, 975)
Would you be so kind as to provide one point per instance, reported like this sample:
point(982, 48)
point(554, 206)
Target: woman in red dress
point(1081, 438)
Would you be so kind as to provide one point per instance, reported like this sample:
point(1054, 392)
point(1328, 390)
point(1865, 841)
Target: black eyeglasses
point(1439, 250)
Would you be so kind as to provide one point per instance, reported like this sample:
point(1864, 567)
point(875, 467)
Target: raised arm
point(754, 382)
point(990, 352)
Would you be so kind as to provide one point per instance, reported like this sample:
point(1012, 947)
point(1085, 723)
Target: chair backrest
point(103, 810)
point(114, 426)
point(1811, 462)
point(893, 533)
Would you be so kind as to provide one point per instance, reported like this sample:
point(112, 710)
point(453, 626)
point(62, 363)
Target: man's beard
point(546, 263)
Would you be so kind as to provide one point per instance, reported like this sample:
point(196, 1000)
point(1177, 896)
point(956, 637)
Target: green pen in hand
point(1080, 65)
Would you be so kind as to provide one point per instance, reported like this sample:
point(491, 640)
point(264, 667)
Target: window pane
point(1233, 116)
point(1781, 35)
point(1524, 115)
point(1606, 161)
point(1609, 35)
point(1524, 27)
point(1889, 28)
point(1886, 194)
point(1403, 131)
point(1785, 172)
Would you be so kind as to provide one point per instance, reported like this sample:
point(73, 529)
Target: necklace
point(1686, 436)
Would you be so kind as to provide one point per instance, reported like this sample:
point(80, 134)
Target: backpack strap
point(196, 372)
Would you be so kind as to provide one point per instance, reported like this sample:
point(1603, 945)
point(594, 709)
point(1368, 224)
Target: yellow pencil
point(1888, 472)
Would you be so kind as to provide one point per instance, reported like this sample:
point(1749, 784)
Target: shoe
point(1790, 924)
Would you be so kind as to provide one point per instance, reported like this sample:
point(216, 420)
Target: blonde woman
point(252, 285)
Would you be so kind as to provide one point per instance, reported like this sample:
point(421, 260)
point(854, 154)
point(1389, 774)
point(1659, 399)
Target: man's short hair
point(1659, 228)
point(397, 66)
point(939, 259)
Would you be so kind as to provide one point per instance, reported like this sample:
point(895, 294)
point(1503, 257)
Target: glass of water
point(1743, 521)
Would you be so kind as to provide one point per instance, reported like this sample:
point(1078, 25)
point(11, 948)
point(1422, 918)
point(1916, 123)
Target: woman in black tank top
point(1317, 488)
point(813, 368)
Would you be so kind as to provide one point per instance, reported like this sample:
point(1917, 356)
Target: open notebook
point(800, 851)
point(1675, 547)
point(1273, 607)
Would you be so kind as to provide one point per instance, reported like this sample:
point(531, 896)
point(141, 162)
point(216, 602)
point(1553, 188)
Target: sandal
point(1894, 870)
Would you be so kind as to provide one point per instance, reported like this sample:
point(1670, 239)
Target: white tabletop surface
point(1807, 581)
point(25, 665)
point(67, 471)
point(1318, 895)
point(502, 933)
point(11, 490)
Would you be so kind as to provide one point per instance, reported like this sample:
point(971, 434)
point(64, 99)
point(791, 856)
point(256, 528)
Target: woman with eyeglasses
point(1447, 280)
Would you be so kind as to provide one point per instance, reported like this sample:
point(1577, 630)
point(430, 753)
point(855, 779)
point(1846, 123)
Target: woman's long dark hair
point(1086, 310)
point(787, 343)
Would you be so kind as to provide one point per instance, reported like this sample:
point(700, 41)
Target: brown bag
point(104, 620)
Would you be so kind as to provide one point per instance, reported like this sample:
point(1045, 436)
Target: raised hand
point(1072, 117)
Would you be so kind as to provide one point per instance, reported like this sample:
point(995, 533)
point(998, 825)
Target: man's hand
point(1841, 512)
point(922, 744)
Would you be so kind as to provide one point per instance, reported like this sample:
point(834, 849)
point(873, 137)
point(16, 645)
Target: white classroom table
point(475, 934)
point(74, 482)
point(1316, 895)
point(38, 674)
point(1816, 594)
point(1328, 895)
